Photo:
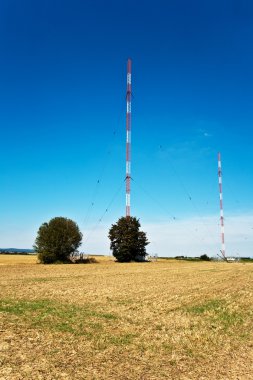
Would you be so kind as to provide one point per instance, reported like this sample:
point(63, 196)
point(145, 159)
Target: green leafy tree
point(128, 243)
point(57, 240)
point(205, 257)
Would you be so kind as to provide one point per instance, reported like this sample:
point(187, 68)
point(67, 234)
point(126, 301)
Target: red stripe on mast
point(128, 135)
point(221, 208)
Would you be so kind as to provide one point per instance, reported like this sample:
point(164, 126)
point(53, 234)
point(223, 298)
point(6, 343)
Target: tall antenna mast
point(221, 208)
point(128, 135)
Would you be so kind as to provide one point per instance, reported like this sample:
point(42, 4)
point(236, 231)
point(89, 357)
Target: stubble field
point(161, 320)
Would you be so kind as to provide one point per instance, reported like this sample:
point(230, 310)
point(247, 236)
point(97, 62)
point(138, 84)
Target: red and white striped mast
point(128, 135)
point(221, 208)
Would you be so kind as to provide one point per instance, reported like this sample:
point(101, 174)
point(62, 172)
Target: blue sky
point(62, 119)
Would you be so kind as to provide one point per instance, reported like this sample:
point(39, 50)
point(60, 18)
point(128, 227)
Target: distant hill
point(16, 250)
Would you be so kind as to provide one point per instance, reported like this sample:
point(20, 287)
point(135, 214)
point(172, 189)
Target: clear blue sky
point(62, 118)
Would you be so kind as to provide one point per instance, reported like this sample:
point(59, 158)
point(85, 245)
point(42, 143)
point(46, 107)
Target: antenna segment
point(221, 208)
point(128, 135)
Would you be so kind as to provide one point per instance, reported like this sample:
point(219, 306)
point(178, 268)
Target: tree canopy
point(128, 243)
point(205, 257)
point(57, 240)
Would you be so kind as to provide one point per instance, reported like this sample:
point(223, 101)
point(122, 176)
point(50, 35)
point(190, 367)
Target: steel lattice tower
point(221, 207)
point(128, 135)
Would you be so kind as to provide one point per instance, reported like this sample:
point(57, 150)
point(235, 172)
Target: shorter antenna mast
point(221, 208)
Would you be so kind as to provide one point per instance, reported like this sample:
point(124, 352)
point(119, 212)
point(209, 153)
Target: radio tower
point(221, 208)
point(128, 135)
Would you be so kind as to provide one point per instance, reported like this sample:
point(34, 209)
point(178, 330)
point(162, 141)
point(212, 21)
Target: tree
point(57, 240)
point(205, 257)
point(128, 243)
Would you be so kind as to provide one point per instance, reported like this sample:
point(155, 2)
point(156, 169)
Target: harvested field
point(160, 320)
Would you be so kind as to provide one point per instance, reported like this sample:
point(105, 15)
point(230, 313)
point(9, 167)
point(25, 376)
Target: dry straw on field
point(161, 320)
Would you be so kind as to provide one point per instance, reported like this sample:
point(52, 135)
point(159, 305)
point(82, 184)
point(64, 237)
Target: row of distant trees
point(10, 252)
point(59, 240)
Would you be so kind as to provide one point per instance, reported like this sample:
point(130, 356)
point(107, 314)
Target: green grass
point(65, 318)
point(121, 340)
point(53, 316)
point(218, 313)
point(211, 305)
